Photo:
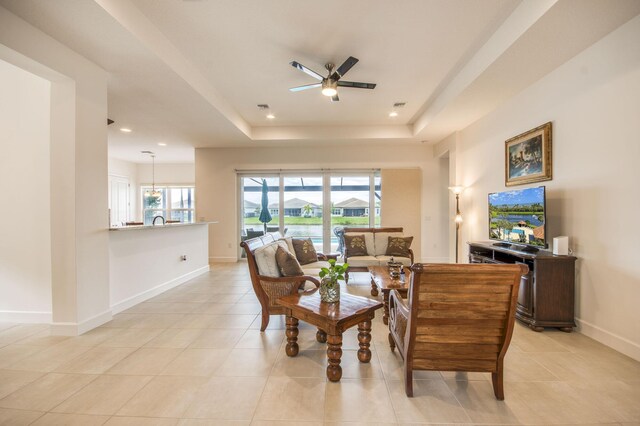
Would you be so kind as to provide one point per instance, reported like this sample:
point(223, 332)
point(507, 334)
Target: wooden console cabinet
point(546, 297)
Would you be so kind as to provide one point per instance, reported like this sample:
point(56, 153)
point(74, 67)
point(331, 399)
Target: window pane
point(182, 198)
point(377, 182)
point(185, 216)
point(252, 205)
point(303, 208)
point(349, 203)
point(149, 215)
point(153, 202)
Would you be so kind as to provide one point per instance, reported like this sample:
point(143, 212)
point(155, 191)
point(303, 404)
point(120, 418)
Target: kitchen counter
point(146, 227)
point(144, 264)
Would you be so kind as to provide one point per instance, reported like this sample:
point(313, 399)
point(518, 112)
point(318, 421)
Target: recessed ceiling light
point(124, 129)
point(271, 116)
point(393, 114)
point(162, 144)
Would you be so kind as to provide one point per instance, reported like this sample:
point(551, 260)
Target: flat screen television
point(518, 218)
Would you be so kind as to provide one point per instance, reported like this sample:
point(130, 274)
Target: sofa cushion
point(368, 239)
point(406, 261)
point(289, 242)
point(360, 261)
point(382, 240)
point(315, 265)
point(399, 246)
point(304, 250)
point(266, 259)
point(287, 263)
point(355, 245)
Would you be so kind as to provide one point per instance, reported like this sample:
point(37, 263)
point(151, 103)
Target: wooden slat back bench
point(458, 318)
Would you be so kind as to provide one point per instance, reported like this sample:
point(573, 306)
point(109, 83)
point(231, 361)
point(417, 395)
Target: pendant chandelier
point(153, 194)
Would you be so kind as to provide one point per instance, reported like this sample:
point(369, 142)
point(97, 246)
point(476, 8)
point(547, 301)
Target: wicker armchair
point(458, 318)
point(269, 289)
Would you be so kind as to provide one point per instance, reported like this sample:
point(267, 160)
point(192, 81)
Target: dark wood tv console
point(546, 297)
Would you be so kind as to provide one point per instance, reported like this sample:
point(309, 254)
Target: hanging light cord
point(153, 174)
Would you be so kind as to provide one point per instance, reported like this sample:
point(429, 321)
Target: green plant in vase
point(329, 284)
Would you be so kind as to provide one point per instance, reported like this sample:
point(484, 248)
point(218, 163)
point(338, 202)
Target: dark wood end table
point(382, 281)
point(332, 319)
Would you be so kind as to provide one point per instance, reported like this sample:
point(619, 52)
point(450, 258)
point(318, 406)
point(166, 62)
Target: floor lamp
point(457, 190)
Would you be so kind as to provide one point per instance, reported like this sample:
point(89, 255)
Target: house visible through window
point(174, 204)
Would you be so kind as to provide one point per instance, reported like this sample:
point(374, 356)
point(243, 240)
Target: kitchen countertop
point(146, 227)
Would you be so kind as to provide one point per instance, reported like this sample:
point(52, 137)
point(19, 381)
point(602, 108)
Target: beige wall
point(217, 186)
point(401, 194)
point(593, 101)
point(25, 216)
point(167, 174)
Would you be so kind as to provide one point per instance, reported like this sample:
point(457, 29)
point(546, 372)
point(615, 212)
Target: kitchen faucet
point(154, 220)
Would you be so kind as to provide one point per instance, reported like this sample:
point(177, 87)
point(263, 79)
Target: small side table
point(332, 319)
point(381, 280)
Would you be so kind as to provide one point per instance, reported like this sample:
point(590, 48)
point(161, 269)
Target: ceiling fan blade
point(305, 87)
point(346, 66)
point(306, 70)
point(335, 98)
point(357, 84)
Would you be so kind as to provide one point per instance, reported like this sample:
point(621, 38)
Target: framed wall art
point(528, 157)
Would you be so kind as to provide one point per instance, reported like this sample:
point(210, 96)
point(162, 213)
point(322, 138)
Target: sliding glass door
point(355, 202)
point(254, 219)
point(302, 216)
point(309, 205)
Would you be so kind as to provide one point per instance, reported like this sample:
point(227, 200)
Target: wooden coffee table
point(332, 319)
point(382, 281)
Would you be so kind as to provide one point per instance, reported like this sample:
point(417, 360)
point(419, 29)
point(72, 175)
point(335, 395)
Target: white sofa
point(376, 240)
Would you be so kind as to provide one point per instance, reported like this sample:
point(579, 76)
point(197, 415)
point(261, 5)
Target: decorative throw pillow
point(287, 263)
point(355, 245)
point(305, 251)
point(399, 246)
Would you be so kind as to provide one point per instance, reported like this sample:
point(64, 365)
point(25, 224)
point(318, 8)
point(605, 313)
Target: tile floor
point(195, 356)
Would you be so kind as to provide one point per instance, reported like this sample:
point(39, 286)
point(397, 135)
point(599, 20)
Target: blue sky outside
point(518, 196)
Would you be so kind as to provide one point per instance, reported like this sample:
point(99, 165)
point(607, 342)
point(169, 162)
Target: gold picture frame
point(527, 157)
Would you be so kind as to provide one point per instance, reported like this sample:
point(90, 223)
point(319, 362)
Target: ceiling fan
point(331, 82)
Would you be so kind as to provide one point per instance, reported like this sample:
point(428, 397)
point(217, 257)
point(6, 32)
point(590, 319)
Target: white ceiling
point(190, 73)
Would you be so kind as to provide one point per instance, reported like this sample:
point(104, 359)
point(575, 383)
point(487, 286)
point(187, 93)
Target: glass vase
point(329, 291)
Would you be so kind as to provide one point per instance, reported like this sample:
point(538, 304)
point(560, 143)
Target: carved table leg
point(292, 336)
point(364, 338)
point(392, 342)
point(321, 336)
point(385, 309)
point(374, 288)
point(334, 353)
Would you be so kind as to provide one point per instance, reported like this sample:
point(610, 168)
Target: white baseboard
point(148, 294)
point(612, 340)
point(218, 259)
point(28, 317)
point(76, 329)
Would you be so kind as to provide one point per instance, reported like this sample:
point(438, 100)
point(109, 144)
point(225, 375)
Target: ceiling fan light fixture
point(329, 88)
